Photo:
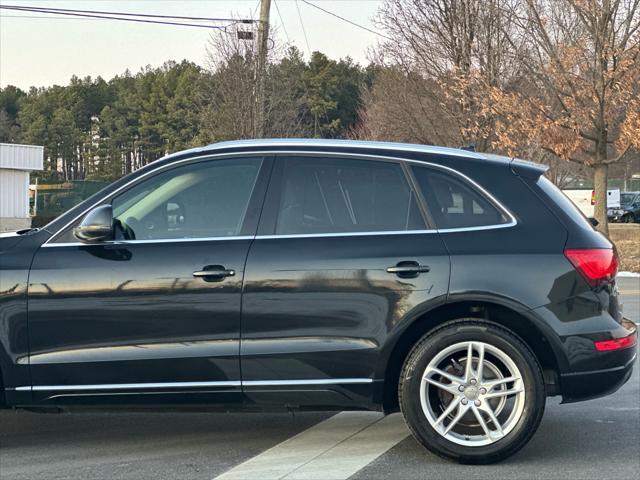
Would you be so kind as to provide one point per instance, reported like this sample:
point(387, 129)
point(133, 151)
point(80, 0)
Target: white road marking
point(356, 452)
point(333, 449)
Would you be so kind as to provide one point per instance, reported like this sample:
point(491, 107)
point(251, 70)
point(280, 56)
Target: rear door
point(343, 254)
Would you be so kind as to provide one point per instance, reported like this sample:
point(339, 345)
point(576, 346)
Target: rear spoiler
point(525, 168)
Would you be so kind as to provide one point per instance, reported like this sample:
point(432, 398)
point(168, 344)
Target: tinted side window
point(566, 205)
point(454, 203)
point(207, 199)
point(321, 195)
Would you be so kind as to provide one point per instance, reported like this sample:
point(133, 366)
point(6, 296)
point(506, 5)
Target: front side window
point(202, 200)
point(199, 200)
point(321, 195)
point(454, 203)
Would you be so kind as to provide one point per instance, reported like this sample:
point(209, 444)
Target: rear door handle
point(408, 269)
point(214, 272)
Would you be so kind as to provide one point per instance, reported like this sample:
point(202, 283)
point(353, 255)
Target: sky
point(40, 51)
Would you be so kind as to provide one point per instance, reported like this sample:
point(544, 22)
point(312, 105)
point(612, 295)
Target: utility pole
point(263, 49)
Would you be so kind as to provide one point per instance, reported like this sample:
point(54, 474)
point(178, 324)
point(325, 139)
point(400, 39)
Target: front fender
point(16, 255)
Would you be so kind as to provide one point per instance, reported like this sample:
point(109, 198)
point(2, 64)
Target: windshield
point(627, 198)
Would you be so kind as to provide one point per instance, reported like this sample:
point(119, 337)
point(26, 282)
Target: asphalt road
point(595, 439)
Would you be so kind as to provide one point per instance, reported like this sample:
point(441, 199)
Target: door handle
point(217, 272)
point(408, 269)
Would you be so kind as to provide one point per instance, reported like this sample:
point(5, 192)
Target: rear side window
point(454, 203)
point(321, 195)
point(564, 203)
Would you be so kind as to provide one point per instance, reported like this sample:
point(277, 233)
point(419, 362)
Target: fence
point(49, 199)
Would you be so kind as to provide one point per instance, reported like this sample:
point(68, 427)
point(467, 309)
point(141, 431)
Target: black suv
point(460, 288)
point(629, 210)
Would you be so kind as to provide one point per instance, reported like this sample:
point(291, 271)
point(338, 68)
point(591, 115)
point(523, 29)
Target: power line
point(46, 17)
point(282, 22)
point(138, 20)
point(303, 29)
point(123, 14)
point(345, 19)
point(304, 83)
point(54, 17)
point(127, 18)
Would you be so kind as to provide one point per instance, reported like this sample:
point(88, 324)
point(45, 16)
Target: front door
point(157, 310)
point(343, 255)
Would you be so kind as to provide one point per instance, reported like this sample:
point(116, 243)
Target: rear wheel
point(629, 218)
point(472, 391)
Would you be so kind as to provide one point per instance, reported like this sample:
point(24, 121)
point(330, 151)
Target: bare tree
point(396, 108)
point(580, 97)
point(230, 94)
point(462, 48)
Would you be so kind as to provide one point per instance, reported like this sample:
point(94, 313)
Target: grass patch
point(627, 240)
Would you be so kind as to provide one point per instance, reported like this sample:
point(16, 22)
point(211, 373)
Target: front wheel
point(472, 391)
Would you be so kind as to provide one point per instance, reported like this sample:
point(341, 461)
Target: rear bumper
point(585, 385)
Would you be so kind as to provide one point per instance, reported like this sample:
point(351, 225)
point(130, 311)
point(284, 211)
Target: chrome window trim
point(289, 236)
point(160, 240)
point(510, 223)
point(390, 232)
point(345, 234)
point(229, 383)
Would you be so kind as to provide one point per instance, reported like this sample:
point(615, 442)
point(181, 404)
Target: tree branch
point(619, 157)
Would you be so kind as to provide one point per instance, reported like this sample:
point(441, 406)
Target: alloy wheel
point(472, 393)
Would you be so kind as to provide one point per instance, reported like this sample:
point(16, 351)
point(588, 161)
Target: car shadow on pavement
point(138, 445)
point(84, 430)
point(564, 447)
point(594, 439)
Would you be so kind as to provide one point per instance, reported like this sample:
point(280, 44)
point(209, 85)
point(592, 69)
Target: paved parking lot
point(596, 439)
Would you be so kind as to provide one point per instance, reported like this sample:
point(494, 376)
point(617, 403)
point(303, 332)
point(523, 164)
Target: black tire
point(465, 330)
point(629, 218)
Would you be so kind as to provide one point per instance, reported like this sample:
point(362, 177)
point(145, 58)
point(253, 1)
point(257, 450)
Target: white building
point(16, 161)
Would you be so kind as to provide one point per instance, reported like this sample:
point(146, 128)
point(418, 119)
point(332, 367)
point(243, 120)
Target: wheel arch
point(520, 321)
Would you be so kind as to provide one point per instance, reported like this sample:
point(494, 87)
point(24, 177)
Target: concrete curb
point(628, 274)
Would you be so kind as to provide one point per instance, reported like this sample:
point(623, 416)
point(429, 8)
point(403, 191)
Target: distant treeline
point(100, 130)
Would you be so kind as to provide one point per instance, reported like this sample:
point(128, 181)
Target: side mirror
point(594, 222)
point(96, 226)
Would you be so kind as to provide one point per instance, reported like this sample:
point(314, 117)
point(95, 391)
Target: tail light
point(594, 264)
point(617, 344)
point(593, 197)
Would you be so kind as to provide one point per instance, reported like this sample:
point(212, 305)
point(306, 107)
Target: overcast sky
point(40, 51)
